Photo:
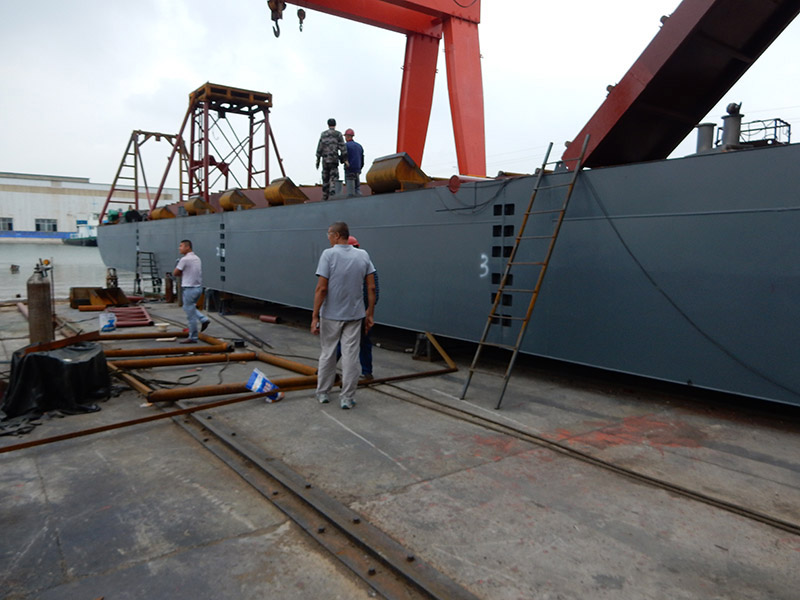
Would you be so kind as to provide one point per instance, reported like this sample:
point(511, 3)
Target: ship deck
point(556, 495)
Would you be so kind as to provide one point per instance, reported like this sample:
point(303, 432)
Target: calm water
point(73, 266)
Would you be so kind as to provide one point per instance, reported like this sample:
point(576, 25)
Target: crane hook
point(301, 14)
point(276, 7)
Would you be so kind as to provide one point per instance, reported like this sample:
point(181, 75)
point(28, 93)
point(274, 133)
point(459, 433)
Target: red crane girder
point(702, 49)
point(424, 22)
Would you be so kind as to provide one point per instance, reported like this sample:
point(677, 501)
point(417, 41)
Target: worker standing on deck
point(365, 348)
point(339, 313)
point(355, 158)
point(190, 269)
point(331, 150)
point(365, 343)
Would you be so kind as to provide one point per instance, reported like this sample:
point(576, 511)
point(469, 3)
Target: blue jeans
point(364, 353)
point(190, 297)
point(356, 179)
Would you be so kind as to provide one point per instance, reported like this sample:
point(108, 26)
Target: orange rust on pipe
point(284, 363)
point(268, 318)
point(140, 335)
point(160, 334)
point(208, 339)
point(147, 335)
point(166, 415)
point(47, 346)
point(91, 307)
point(147, 363)
point(197, 349)
point(285, 384)
point(130, 380)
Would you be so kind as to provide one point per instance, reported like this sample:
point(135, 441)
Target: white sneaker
point(348, 404)
point(323, 398)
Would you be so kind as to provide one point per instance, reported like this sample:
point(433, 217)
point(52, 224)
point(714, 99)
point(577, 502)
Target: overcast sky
point(77, 77)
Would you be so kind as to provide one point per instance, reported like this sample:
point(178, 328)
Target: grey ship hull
point(686, 270)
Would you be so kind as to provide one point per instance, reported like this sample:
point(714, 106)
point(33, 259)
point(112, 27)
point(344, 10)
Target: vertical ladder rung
point(545, 212)
point(505, 317)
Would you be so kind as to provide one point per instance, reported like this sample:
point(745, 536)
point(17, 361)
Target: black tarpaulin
point(66, 379)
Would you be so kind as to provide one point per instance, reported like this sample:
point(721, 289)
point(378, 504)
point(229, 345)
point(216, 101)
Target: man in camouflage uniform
point(331, 150)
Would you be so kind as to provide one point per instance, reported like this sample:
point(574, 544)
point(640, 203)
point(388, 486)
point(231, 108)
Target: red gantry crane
point(702, 49)
point(424, 22)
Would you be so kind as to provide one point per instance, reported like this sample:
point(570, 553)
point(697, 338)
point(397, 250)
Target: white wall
point(25, 198)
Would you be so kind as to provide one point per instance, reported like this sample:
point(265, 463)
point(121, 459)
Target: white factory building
point(48, 207)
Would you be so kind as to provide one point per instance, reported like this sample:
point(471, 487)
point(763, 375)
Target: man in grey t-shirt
point(190, 269)
point(339, 313)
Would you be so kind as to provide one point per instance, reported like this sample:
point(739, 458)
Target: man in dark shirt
point(355, 158)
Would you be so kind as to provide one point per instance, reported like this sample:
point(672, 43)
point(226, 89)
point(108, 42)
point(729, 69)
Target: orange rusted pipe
point(130, 380)
point(147, 363)
point(141, 335)
point(196, 349)
point(148, 419)
point(159, 334)
point(284, 363)
point(209, 339)
point(284, 384)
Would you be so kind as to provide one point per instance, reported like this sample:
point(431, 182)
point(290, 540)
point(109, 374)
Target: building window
point(46, 225)
point(6, 224)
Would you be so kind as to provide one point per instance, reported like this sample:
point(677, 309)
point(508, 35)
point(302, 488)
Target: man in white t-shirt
point(190, 270)
point(339, 313)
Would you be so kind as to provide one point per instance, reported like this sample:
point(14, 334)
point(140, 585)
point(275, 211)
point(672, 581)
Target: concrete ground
point(146, 511)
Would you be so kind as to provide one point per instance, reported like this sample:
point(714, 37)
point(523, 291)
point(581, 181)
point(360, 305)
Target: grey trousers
point(330, 334)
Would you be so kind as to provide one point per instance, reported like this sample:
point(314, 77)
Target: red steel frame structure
point(424, 22)
point(209, 106)
point(131, 170)
point(702, 49)
point(204, 163)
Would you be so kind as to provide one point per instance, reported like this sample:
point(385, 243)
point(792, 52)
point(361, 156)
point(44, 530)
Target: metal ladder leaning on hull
point(146, 268)
point(495, 318)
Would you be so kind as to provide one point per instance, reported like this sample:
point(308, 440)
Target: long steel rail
point(385, 565)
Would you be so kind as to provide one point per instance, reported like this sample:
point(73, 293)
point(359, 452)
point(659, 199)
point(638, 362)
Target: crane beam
point(701, 50)
point(425, 22)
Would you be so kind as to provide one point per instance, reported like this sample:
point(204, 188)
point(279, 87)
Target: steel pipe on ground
point(285, 363)
point(284, 384)
point(196, 349)
point(149, 419)
point(130, 380)
point(148, 363)
point(142, 335)
point(159, 334)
